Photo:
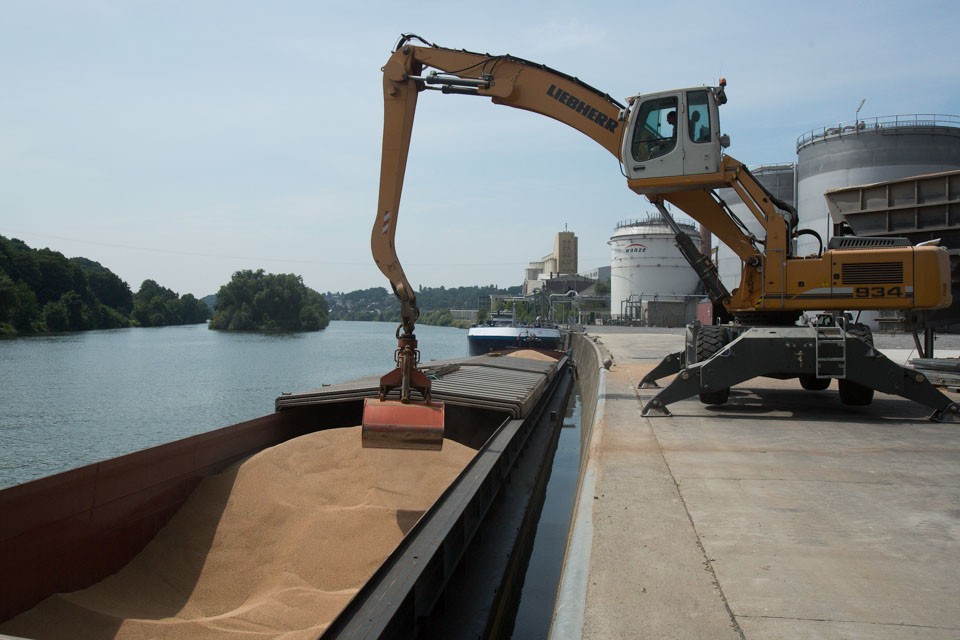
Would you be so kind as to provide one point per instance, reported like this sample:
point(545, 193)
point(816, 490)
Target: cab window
point(698, 116)
point(655, 131)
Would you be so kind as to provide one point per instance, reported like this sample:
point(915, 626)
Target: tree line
point(436, 303)
point(43, 291)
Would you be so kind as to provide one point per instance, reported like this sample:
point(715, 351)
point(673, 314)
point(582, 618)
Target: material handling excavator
point(671, 150)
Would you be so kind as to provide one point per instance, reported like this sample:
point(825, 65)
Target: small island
point(258, 301)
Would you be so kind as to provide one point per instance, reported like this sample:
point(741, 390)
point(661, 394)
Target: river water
point(71, 400)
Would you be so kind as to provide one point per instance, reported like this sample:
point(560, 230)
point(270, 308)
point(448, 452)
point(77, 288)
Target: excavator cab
point(672, 136)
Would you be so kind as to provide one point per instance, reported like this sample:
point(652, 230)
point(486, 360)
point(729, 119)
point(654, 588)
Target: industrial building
point(562, 261)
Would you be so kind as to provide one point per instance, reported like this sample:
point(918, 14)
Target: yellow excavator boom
point(507, 80)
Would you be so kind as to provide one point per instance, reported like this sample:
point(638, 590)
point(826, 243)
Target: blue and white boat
point(501, 332)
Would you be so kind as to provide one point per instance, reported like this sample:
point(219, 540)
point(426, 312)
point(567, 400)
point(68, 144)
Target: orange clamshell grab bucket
point(391, 424)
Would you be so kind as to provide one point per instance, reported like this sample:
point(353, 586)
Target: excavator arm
point(698, 199)
point(506, 80)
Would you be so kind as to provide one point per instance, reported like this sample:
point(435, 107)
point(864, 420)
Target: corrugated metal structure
point(508, 385)
point(920, 208)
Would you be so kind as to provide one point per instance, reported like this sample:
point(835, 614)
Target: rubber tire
point(852, 393)
point(710, 340)
point(813, 383)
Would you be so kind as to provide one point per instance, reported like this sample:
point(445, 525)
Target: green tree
point(107, 286)
point(193, 311)
point(258, 301)
point(41, 290)
point(56, 276)
point(19, 311)
point(157, 306)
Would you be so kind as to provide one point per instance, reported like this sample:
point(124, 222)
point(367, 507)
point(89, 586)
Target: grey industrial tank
point(864, 152)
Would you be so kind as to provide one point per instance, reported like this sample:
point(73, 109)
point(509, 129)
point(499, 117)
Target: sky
point(182, 141)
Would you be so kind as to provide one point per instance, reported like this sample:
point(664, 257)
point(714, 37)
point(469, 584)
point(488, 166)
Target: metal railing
point(654, 218)
point(879, 124)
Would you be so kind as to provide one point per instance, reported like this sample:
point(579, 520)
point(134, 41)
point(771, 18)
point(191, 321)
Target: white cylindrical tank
point(550, 266)
point(645, 265)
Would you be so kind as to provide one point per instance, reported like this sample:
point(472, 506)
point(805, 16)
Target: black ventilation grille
point(857, 242)
point(873, 273)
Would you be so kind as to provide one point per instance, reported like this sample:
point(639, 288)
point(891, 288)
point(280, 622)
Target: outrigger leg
point(673, 363)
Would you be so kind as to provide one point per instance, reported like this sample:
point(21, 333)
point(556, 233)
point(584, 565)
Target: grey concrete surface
point(783, 514)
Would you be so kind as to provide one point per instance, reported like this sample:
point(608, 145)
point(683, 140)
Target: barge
point(503, 332)
point(71, 530)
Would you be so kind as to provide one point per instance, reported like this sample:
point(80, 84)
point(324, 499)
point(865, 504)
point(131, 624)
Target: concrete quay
point(781, 515)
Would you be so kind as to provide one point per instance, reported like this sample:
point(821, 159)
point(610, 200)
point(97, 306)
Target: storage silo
point(864, 152)
point(650, 281)
point(781, 181)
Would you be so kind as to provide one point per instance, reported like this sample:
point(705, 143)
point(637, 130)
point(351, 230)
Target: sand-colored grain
point(530, 354)
point(273, 547)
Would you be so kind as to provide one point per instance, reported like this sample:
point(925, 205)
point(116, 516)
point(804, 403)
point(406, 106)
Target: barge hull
point(70, 530)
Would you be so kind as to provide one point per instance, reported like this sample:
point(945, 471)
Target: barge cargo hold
point(69, 531)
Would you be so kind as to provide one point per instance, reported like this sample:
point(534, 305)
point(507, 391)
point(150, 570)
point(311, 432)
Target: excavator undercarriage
point(718, 357)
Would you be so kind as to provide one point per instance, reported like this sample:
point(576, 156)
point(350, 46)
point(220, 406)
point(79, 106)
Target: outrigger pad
point(671, 364)
point(391, 424)
point(950, 413)
point(655, 406)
